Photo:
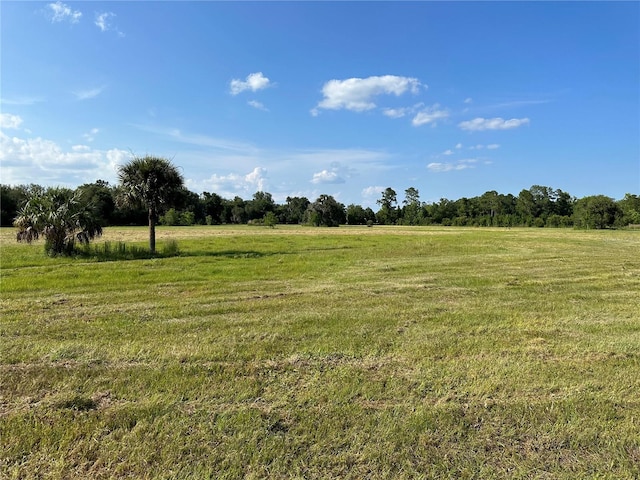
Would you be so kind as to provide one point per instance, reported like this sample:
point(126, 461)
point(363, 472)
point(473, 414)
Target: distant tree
point(258, 207)
point(100, 196)
point(326, 211)
point(61, 216)
point(238, 213)
point(190, 206)
point(270, 220)
point(412, 210)
point(293, 211)
point(153, 182)
point(388, 213)
point(11, 200)
point(442, 212)
point(597, 211)
point(630, 208)
point(356, 215)
point(213, 205)
point(172, 218)
point(564, 203)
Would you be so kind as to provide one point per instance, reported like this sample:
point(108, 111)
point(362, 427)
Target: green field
point(301, 352)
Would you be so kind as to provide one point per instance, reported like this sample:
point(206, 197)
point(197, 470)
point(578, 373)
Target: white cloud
point(199, 140)
point(468, 100)
point(8, 120)
point(403, 111)
point(257, 105)
point(327, 177)
point(228, 186)
point(20, 100)
point(91, 135)
point(493, 146)
point(448, 152)
point(60, 12)
point(429, 115)
point(356, 94)
point(88, 94)
point(103, 22)
point(372, 192)
point(23, 159)
point(257, 178)
point(254, 82)
point(395, 112)
point(452, 166)
point(458, 146)
point(478, 124)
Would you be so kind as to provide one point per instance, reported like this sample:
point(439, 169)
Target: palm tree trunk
point(152, 230)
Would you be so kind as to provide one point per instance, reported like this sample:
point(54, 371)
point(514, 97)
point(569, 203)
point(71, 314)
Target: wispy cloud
point(519, 103)
point(10, 121)
point(59, 12)
point(374, 191)
point(402, 111)
point(233, 184)
point(429, 115)
point(88, 94)
point(257, 105)
point(253, 82)
point(357, 94)
point(439, 167)
point(326, 176)
point(91, 134)
point(20, 100)
point(479, 124)
point(103, 22)
point(22, 159)
point(199, 139)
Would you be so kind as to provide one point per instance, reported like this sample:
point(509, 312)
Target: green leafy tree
point(596, 211)
point(270, 220)
point(388, 213)
point(100, 196)
point(61, 216)
point(294, 210)
point(11, 199)
point(153, 182)
point(213, 207)
point(412, 211)
point(258, 207)
point(630, 207)
point(356, 215)
point(326, 211)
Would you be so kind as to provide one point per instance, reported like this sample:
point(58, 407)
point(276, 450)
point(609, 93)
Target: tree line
point(538, 206)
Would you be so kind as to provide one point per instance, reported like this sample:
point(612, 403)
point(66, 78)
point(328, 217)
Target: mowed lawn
point(298, 352)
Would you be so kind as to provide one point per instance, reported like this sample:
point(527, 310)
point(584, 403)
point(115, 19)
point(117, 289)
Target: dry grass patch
point(301, 352)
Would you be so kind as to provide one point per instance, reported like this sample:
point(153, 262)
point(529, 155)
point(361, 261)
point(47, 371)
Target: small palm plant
point(152, 182)
point(60, 216)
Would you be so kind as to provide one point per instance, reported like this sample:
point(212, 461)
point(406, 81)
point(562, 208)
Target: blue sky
point(346, 99)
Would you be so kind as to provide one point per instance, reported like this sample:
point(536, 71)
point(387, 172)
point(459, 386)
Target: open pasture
point(295, 352)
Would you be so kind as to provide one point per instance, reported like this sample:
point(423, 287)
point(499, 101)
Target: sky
point(341, 98)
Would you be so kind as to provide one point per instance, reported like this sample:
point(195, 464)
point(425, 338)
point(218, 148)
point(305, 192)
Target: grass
point(324, 353)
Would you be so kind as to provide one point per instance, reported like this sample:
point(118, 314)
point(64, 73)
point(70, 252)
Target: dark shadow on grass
point(119, 251)
point(230, 253)
point(122, 252)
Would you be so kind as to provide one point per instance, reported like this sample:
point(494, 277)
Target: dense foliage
point(61, 216)
point(153, 183)
point(537, 206)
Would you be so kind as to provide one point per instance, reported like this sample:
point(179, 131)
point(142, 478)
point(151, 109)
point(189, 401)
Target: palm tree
point(61, 216)
point(152, 182)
